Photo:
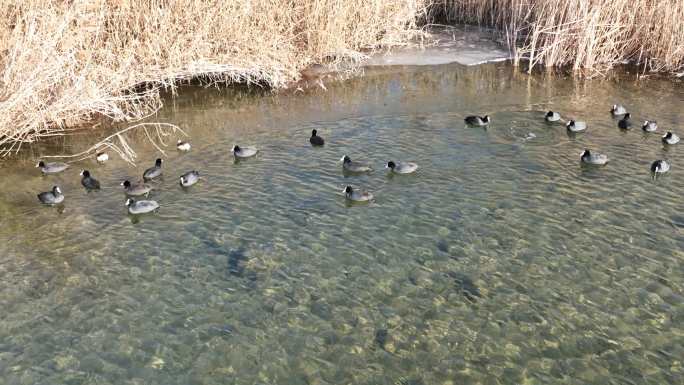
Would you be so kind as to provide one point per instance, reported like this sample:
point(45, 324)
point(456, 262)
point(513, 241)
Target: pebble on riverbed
point(465, 285)
point(381, 338)
point(235, 265)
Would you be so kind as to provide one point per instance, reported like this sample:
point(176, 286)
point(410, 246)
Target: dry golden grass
point(590, 35)
point(64, 62)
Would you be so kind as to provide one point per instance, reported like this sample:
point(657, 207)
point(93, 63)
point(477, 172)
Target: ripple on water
point(502, 260)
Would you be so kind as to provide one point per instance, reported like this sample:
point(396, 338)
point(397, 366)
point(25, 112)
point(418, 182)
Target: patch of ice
point(464, 45)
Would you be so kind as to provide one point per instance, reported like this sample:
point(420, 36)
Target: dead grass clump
point(64, 62)
point(590, 35)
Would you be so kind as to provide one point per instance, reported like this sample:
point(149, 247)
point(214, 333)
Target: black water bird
point(576, 126)
point(52, 197)
point(402, 167)
point(141, 207)
point(316, 140)
point(478, 121)
point(154, 171)
point(660, 167)
point(625, 123)
point(591, 158)
point(101, 157)
point(183, 146)
point(357, 196)
point(52, 167)
point(552, 116)
point(356, 167)
point(650, 126)
point(189, 178)
point(135, 189)
point(244, 152)
point(670, 138)
point(618, 109)
point(88, 181)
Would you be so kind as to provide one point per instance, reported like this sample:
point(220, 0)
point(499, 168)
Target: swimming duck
point(625, 122)
point(350, 166)
point(356, 196)
point(88, 181)
point(660, 167)
point(154, 171)
point(316, 140)
point(552, 116)
point(650, 126)
point(618, 109)
point(51, 197)
point(52, 168)
point(670, 138)
point(183, 146)
point(189, 178)
point(141, 207)
point(102, 157)
point(479, 121)
point(243, 152)
point(135, 190)
point(595, 159)
point(576, 126)
point(402, 167)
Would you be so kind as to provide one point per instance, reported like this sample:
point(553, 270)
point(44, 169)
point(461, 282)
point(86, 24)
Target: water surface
point(502, 261)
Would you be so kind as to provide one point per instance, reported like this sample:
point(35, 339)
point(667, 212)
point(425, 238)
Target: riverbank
point(64, 63)
point(67, 63)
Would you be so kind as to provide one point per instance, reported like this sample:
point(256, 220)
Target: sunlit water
point(502, 261)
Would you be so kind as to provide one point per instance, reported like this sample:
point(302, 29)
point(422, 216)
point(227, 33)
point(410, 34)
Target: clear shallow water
point(501, 262)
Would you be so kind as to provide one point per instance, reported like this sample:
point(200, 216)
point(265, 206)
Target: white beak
point(81, 173)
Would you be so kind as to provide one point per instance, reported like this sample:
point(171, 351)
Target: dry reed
point(65, 62)
point(591, 36)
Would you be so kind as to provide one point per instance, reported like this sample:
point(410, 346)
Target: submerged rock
point(381, 338)
point(409, 381)
point(465, 285)
point(678, 221)
point(321, 309)
point(224, 330)
point(235, 258)
point(443, 245)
